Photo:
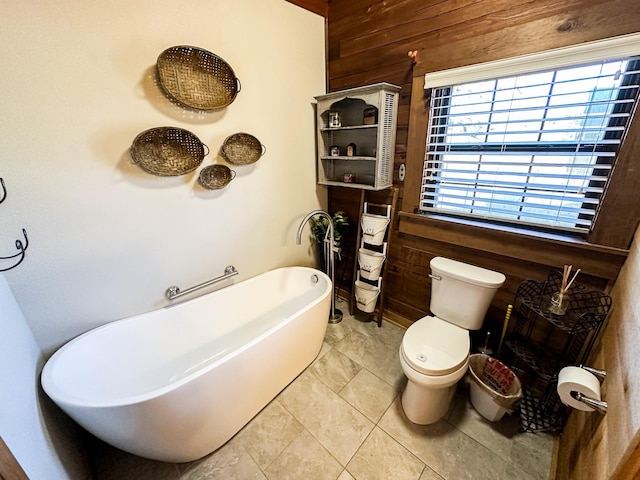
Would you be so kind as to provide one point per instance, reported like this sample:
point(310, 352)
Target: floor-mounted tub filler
point(175, 384)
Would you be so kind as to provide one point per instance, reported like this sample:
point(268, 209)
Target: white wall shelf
point(368, 119)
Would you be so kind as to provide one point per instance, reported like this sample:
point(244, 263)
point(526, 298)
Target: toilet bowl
point(431, 370)
point(434, 353)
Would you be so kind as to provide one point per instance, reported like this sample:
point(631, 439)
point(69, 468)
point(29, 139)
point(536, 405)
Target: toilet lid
point(435, 347)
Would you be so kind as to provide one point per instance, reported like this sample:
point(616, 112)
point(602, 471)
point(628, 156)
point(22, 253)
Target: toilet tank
point(461, 293)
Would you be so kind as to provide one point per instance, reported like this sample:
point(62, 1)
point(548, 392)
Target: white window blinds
point(534, 148)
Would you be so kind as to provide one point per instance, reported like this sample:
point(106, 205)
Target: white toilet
point(434, 353)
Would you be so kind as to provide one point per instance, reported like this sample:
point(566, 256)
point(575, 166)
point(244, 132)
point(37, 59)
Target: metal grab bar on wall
point(174, 292)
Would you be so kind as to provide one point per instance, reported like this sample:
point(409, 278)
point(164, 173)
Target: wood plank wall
point(608, 447)
point(368, 42)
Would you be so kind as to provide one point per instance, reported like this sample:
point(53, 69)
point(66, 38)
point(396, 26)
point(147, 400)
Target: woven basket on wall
point(197, 78)
point(216, 176)
point(242, 149)
point(168, 151)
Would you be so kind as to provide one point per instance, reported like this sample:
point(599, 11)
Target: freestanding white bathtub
point(177, 383)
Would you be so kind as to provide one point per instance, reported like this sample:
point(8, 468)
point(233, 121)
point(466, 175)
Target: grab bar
point(174, 292)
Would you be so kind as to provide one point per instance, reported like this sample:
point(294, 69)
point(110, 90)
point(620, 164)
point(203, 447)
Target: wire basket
point(242, 149)
point(197, 78)
point(168, 151)
point(215, 177)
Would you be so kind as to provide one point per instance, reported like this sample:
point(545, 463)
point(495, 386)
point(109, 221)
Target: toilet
point(434, 353)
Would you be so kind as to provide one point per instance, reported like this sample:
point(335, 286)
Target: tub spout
point(306, 219)
point(329, 250)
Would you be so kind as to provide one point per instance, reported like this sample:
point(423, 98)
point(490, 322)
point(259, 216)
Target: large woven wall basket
point(168, 151)
point(197, 78)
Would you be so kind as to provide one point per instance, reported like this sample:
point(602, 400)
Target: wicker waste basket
point(495, 389)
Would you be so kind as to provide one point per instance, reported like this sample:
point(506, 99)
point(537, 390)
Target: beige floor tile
point(326, 348)
point(531, 453)
point(388, 334)
point(361, 323)
point(304, 459)
point(337, 331)
point(382, 458)
point(231, 462)
point(338, 426)
point(373, 355)
point(335, 370)
point(513, 472)
point(444, 448)
point(345, 476)
point(429, 474)
point(369, 394)
point(497, 436)
point(269, 433)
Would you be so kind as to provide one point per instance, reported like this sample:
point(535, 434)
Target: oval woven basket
point(242, 149)
point(168, 151)
point(216, 176)
point(197, 78)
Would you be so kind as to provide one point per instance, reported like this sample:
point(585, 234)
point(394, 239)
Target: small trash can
point(495, 389)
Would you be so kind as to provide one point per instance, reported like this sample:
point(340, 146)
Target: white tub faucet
point(328, 251)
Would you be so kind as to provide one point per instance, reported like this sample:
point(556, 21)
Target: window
point(533, 148)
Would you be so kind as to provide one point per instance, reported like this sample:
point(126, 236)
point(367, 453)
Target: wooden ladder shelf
point(380, 210)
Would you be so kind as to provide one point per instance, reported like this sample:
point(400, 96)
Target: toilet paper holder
point(601, 375)
point(598, 405)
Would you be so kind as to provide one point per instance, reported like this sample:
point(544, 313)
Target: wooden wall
point(608, 447)
point(368, 42)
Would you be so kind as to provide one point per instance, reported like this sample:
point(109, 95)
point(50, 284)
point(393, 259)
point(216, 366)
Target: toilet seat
point(434, 347)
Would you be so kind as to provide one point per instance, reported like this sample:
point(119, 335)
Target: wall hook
point(21, 253)
point(22, 247)
point(4, 190)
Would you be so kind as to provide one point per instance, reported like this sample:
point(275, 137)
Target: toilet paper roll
point(576, 379)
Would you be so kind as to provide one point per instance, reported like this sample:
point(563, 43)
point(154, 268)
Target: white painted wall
point(106, 238)
point(26, 429)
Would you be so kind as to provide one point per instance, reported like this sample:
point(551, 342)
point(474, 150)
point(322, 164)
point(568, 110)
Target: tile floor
point(342, 419)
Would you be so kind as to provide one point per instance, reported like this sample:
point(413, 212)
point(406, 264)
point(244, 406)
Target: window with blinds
point(532, 148)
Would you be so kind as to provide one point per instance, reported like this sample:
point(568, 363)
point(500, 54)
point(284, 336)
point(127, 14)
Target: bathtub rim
point(63, 398)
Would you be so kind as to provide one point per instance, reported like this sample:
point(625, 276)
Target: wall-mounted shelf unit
point(356, 131)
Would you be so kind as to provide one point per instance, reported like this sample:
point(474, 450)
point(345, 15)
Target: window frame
point(614, 226)
point(439, 144)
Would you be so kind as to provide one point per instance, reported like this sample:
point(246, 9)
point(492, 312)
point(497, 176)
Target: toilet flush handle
point(435, 277)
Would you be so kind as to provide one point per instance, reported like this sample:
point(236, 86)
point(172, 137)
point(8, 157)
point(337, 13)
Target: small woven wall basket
point(216, 176)
point(168, 151)
point(197, 78)
point(242, 149)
